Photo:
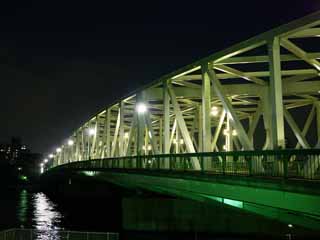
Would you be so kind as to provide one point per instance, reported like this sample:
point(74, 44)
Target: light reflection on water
point(23, 208)
point(46, 218)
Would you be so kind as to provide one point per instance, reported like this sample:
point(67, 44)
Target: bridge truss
point(260, 94)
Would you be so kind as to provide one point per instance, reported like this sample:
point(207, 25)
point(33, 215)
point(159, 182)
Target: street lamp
point(50, 155)
point(58, 150)
point(214, 111)
point(126, 135)
point(141, 108)
point(91, 131)
point(70, 142)
point(45, 160)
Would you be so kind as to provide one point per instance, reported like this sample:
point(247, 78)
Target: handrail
point(288, 163)
point(30, 234)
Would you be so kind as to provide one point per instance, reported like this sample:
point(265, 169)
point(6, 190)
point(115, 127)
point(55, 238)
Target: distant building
point(13, 151)
point(17, 161)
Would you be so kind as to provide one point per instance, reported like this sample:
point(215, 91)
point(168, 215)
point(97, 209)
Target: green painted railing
point(294, 163)
point(31, 234)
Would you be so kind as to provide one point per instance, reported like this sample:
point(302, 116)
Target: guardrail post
point(224, 164)
point(138, 161)
point(158, 162)
point(235, 166)
point(285, 166)
point(201, 164)
point(249, 159)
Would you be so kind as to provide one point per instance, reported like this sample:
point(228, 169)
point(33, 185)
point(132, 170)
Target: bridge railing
point(31, 234)
point(302, 164)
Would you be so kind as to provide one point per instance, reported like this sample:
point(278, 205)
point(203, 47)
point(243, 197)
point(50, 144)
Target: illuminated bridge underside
point(290, 202)
point(260, 94)
point(292, 208)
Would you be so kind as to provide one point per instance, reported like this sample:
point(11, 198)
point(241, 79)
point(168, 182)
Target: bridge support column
point(206, 108)
point(77, 146)
point(277, 135)
point(199, 116)
point(140, 128)
point(115, 136)
point(121, 128)
point(166, 122)
point(160, 138)
point(82, 148)
point(93, 139)
point(228, 135)
point(107, 131)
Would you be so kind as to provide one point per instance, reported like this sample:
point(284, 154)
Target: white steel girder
point(230, 111)
point(180, 103)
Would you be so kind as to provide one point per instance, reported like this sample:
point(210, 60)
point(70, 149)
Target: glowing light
point(234, 203)
point(89, 173)
point(126, 135)
point(143, 147)
point(50, 156)
point(41, 164)
point(149, 147)
point(141, 108)
point(91, 131)
point(70, 142)
point(45, 160)
point(25, 178)
point(19, 168)
point(214, 111)
point(174, 141)
point(181, 141)
point(290, 225)
point(58, 150)
point(149, 161)
point(45, 217)
point(225, 132)
point(224, 147)
point(234, 132)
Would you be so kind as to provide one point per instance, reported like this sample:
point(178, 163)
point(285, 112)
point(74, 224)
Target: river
point(23, 209)
point(36, 210)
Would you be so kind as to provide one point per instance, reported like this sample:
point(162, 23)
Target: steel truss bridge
point(241, 127)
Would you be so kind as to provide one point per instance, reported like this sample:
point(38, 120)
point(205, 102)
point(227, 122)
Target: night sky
point(62, 62)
